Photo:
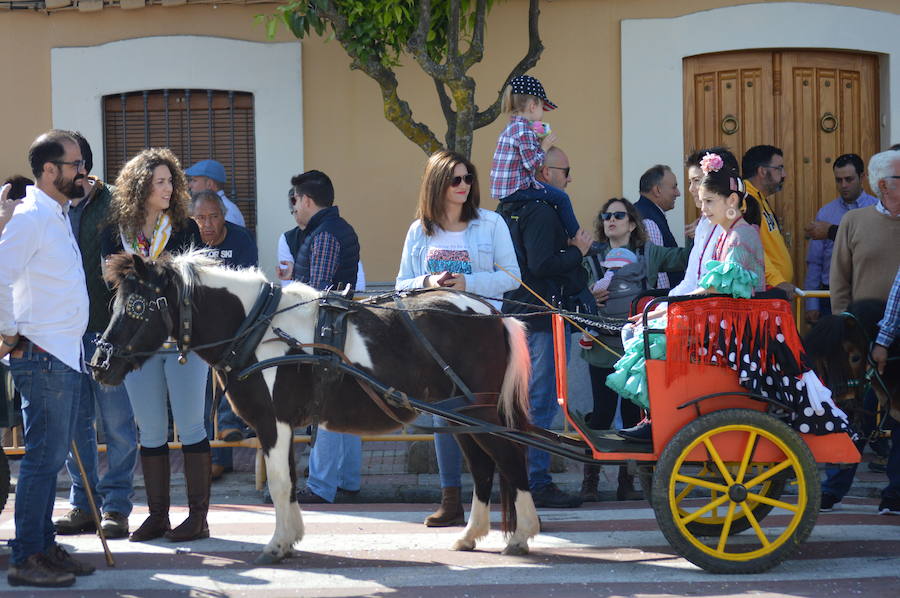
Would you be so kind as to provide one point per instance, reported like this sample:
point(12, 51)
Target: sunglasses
point(616, 215)
point(565, 170)
point(455, 181)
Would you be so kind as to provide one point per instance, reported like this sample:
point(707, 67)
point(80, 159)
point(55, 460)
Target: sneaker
point(76, 521)
point(36, 570)
point(231, 435)
point(643, 432)
point(889, 506)
point(217, 471)
point(878, 465)
point(550, 496)
point(344, 495)
point(114, 525)
point(828, 502)
point(59, 557)
point(306, 496)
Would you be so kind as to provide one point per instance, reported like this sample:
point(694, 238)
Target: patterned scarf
point(154, 246)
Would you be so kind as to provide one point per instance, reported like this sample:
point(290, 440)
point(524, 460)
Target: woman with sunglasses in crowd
point(150, 217)
point(619, 226)
point(455, 244)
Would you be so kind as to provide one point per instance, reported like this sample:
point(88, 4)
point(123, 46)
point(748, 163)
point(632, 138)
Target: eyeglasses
point(455, 181)
point(565, 170)
point(78, 164)
point(781, 168)
point(893, 176)
point(616, 215)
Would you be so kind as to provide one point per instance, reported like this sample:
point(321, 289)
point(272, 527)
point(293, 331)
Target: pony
point(838, 346)
point(489, 354)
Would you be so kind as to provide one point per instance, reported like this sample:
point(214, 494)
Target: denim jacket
point(488, 242)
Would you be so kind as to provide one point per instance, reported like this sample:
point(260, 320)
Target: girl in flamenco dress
point(765, 351)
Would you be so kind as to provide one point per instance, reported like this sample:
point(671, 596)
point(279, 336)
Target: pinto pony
point(838, 346)
point(490, 356)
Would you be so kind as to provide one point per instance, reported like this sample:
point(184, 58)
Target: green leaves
point(372, 29)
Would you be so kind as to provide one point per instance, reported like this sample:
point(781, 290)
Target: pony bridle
point(138, 307)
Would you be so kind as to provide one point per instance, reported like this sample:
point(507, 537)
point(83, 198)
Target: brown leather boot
point(590, 483)
point(155, 464)
point(626, 489)
point(198, 479)
point(450, 512)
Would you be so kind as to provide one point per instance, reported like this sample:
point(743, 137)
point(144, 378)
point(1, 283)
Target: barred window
point(196, 124)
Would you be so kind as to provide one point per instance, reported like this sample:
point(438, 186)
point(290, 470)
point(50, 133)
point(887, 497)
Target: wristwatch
point(8, 344)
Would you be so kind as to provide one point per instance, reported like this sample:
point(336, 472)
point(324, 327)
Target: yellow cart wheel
point(746, 455)
point(711, 522)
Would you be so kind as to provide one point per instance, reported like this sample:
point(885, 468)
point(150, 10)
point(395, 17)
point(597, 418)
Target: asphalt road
point(601, 549)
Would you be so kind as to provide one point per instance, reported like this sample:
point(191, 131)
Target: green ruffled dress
point(739, 274)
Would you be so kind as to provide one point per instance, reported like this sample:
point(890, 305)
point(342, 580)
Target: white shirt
point(705, 239)
point(232, 212)
point(43, 294)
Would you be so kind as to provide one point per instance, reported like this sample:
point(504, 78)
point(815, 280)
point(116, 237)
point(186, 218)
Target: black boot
point(626, 490)
point(590, 483)
point(155, 463)
point(450, 512)
point(198, 479)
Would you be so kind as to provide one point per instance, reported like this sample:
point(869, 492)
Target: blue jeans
point(838, 480)
point(50, 395)
point(162, 377)
point(449, 456)
point(892, 490)
point(334, 462)
point(542, 401)
point(557, 198)
point(114, 490)
point(227, 419)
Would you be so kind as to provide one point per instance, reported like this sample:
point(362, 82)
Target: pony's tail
point(513, 403)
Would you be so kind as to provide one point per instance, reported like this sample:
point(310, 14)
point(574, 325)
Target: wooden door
point(814, 105)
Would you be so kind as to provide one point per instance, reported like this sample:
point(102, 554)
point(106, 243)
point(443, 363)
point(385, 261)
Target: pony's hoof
point(267, 558)
point(464, 545)
point(516, 550)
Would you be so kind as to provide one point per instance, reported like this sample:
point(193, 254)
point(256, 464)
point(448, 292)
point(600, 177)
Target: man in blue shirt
point(849, 172)
point(233, 246)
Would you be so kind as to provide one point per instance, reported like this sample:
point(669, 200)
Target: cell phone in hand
point(445, 278)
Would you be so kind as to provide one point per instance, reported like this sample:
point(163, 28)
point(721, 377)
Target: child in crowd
point(521, 151)
point(623, 291)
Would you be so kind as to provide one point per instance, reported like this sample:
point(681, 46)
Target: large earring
point(731, 214)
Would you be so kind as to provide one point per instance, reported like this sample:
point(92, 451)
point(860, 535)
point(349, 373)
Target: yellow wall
point(376, 171)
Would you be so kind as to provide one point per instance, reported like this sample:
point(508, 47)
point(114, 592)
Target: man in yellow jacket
point(763, 169)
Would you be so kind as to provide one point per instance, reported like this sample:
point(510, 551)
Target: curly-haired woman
point(150, 216)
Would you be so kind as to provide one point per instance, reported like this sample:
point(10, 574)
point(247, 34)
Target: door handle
point(730, 124)
point(829, 122)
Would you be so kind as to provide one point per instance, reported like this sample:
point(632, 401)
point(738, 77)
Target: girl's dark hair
point(727, 180)
point(638, 235)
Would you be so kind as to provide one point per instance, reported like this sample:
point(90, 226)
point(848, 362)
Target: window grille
point(196, 124)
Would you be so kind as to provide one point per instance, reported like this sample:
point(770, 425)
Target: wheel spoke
point(755, 525)
point(726, 527)
point(771, 501)
point(748, 452)
point(712, 505)
point(702, 483)
point(723, 469)
point(769, 473)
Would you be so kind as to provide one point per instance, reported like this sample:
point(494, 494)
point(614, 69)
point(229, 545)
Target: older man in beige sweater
point(867, 246)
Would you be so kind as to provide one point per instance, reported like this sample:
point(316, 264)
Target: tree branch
point(396, 110)
point(453, 63)
point(449, 114)
point(418, 44)
point(476, 49)
point(535, 49)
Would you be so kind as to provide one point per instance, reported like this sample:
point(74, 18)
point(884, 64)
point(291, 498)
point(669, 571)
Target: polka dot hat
point(527, 84)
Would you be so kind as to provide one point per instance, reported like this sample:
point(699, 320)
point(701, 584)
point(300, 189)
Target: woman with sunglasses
point(455, 244)
point(150, 217)
point(619, 225)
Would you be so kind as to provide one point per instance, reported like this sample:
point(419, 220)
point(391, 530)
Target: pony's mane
point(195, 261)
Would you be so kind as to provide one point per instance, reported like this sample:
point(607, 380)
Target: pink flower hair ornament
point(711, 163)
